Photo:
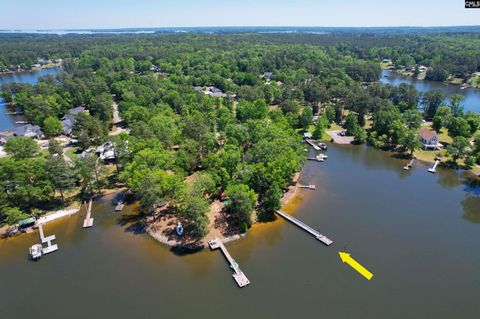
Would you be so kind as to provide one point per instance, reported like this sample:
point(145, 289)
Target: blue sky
point(64, 14)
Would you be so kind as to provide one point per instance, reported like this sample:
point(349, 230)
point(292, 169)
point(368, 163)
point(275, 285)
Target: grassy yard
point(335, 127)
point(428, 156)
point(71, 153)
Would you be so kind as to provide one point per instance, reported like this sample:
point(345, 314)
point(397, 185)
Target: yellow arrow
point(346, 258)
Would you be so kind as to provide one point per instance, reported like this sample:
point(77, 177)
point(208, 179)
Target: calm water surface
point(417, 232)
point(7, 122)
point(472, 95)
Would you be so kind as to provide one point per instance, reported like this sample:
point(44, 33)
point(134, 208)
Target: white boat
point(35, 251)
point(179, 229)
point(323, 146)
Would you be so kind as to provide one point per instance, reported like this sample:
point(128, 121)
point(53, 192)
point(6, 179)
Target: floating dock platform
point(238, 275)
point(47, 240)
point(316, 234)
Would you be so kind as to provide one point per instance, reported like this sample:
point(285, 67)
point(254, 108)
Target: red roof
point(427, 134)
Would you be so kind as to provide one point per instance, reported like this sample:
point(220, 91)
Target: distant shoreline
point(36, 69)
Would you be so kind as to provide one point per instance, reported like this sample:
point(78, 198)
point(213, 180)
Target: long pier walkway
point(88, 222)
point(316, 234)
point(239, 276)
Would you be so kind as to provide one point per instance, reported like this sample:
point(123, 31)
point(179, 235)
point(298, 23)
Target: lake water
point(418, 233)
point(472, 95)
point(7, 122)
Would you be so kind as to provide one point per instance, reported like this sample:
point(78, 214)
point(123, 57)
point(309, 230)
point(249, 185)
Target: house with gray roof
point(28, 130)
point(68, 120)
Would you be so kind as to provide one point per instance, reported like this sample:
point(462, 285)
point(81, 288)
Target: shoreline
point(163, 230)
point(47, 66)
point(73, 208)
point(464, 84)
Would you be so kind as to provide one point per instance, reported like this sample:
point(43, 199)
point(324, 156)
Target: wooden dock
point(307, 228)
point(318, 158)
point(433, 170)
point(311, 187)
point(313, 144)
point(47, 240)
point(409, 165)
point(88, 222)
point(238, 275)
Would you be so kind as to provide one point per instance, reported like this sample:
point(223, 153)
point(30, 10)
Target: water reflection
point(448, 178)
point(471, 208)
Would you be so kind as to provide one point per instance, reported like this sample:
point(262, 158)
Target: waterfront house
point(429, 139)
point(28, 130)
point(68, 120)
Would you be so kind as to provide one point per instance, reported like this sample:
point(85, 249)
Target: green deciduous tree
point(195, 209)
point(431, 101)
point(241, 202)
point(410, 141)
point(351, 124)
point(458, 149)
point(456, 104)
point(306, 118)
point(52, 126)
point(21, 147)
point(458, 126)
point(441, 118)
point(12, 215)
point(320, 128)
point(61, 174)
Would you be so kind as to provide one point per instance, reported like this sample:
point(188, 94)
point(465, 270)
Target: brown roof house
point(429, 139)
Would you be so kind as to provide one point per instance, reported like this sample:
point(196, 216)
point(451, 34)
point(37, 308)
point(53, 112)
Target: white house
point(429, 139)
